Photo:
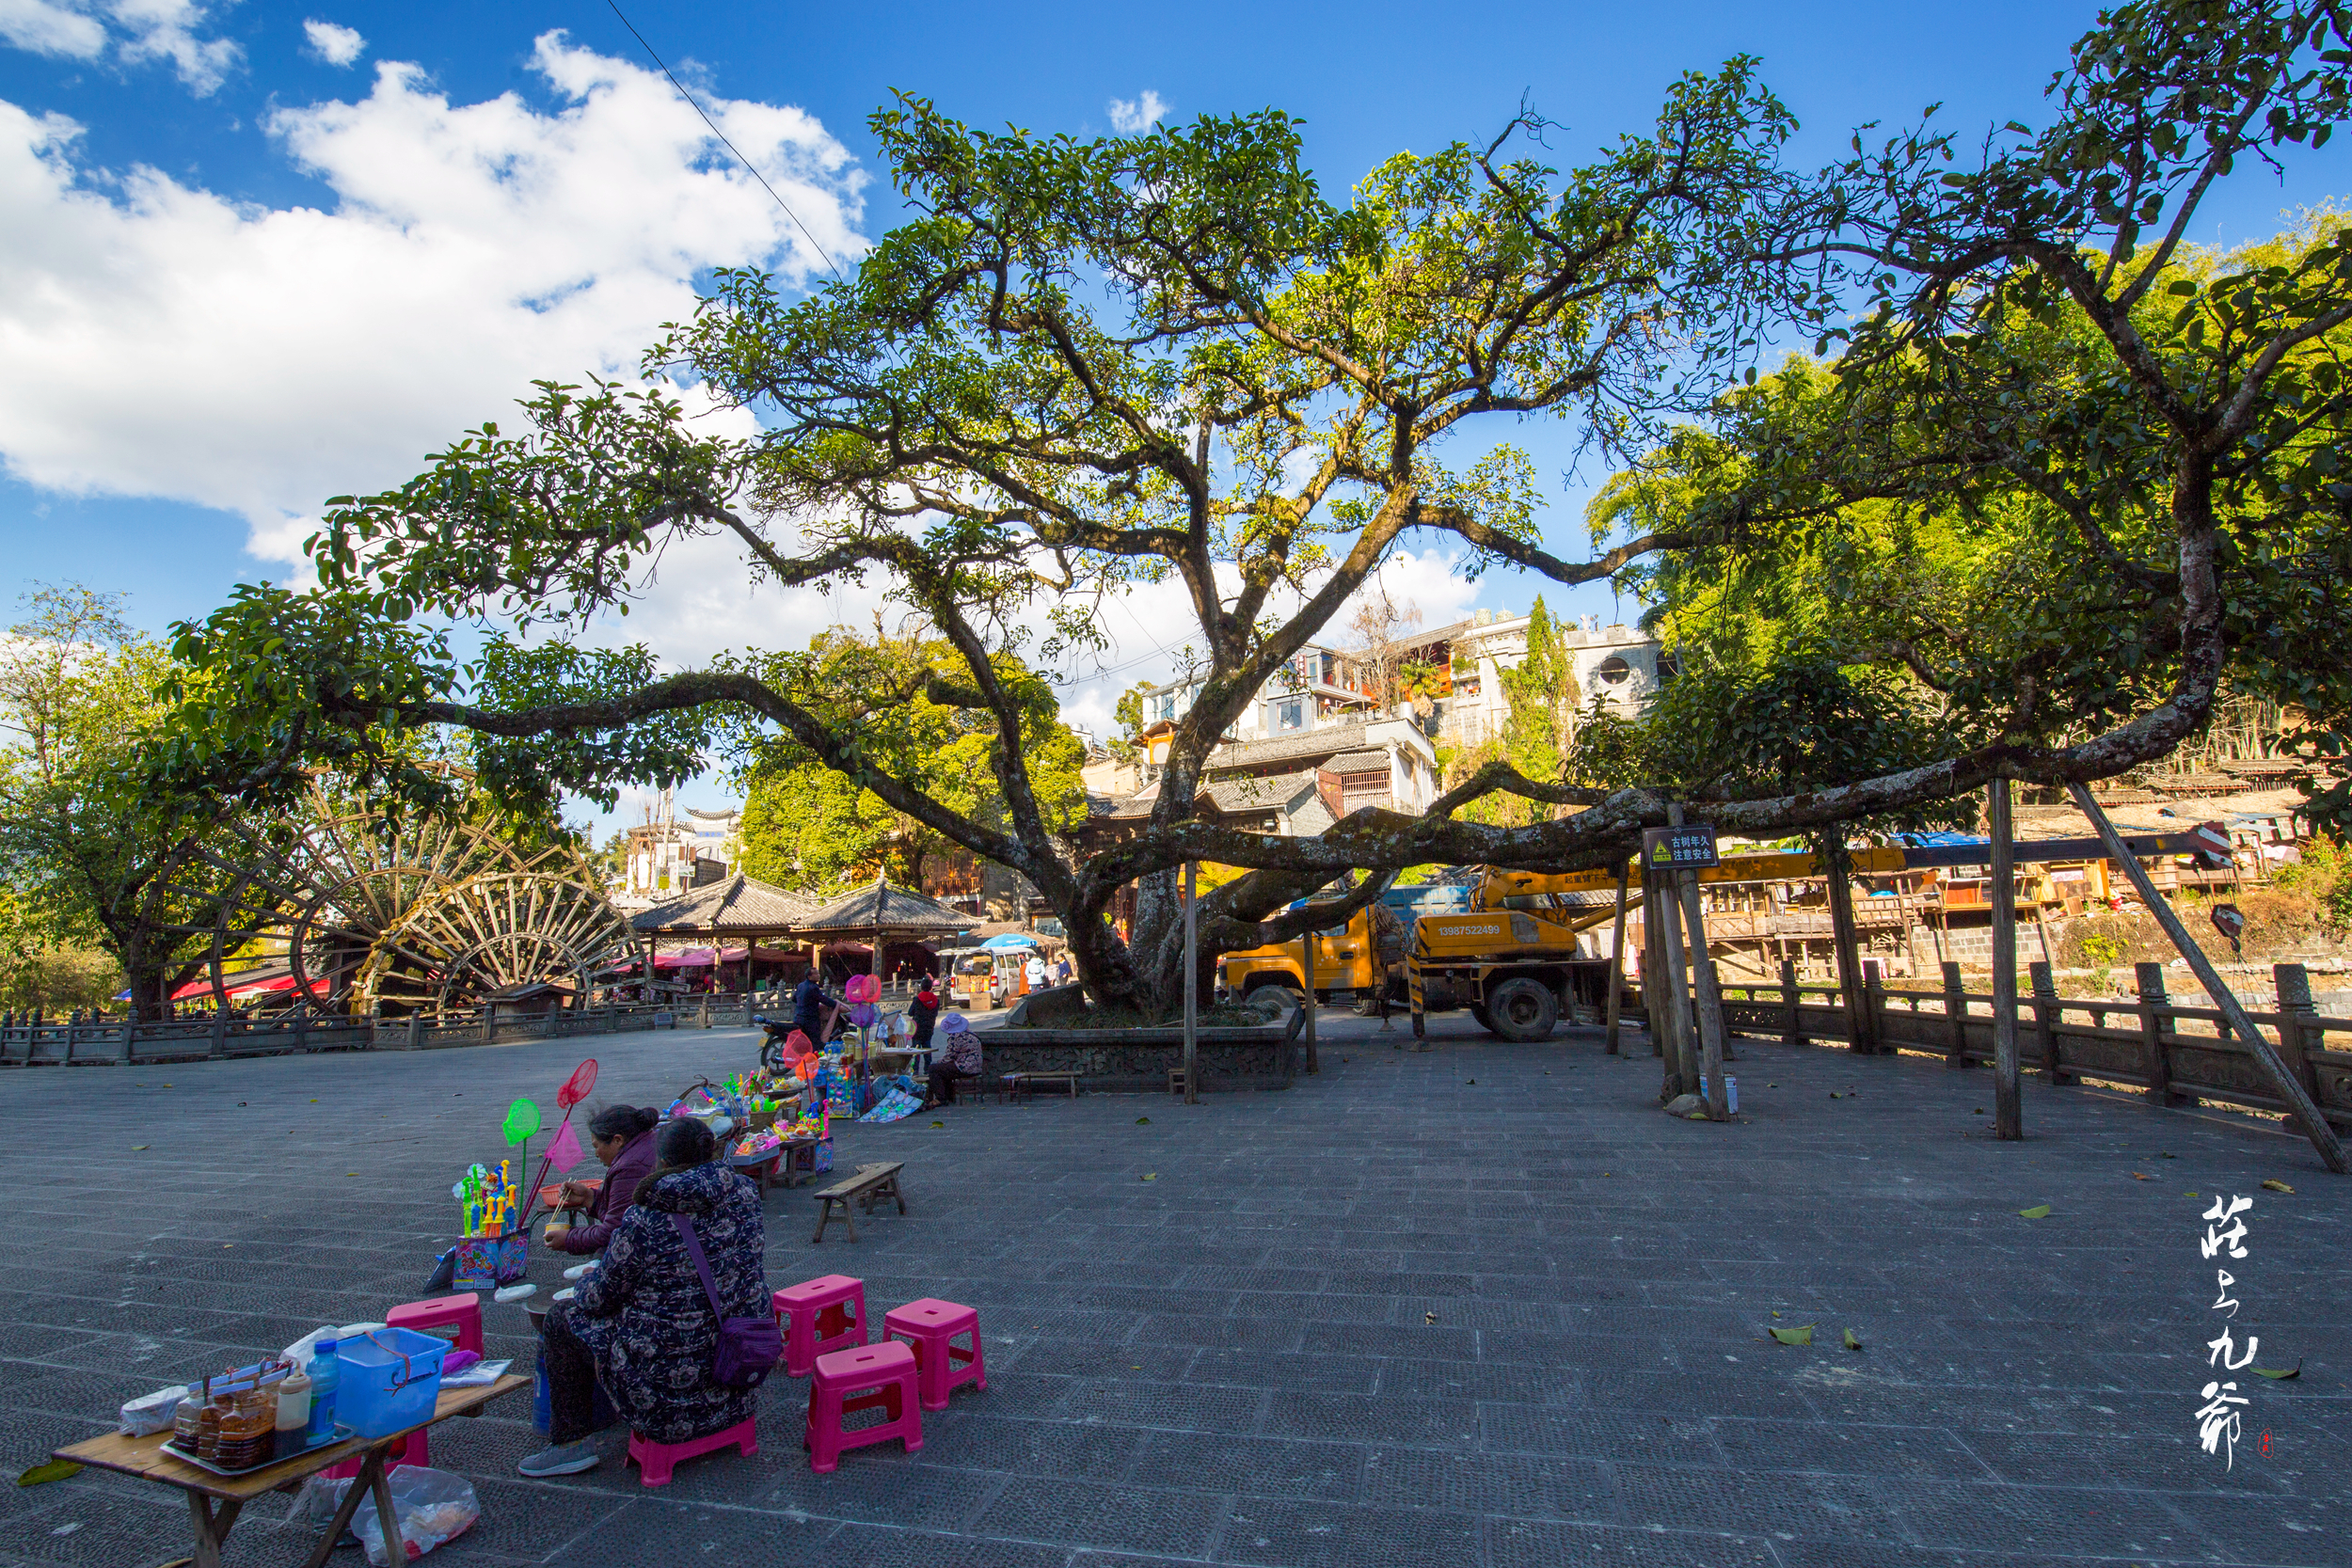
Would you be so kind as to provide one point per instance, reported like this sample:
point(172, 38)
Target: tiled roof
point(892, 909)
point(1325, 741)
point(1359, 762)
point(1235, 796)
point(738, 904)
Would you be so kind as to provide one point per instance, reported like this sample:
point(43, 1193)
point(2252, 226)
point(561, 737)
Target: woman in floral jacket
point(641, 1324)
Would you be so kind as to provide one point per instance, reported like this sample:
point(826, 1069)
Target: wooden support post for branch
point(2282, 1081)
point(1654, 965)
point(1681, 1070)
point(2009, 1111)
point(1791, 1021)
point(1616, 969)
point(1706, 993)
point(2150, 977)
point(1192, 991)
point(1956, 1013)
point(2045, 1020)
point(1306, 955)
point(1845, 940)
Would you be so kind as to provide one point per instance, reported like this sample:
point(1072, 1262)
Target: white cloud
point(47, 29)
point(334, 43)
point(1132, 116)
point(142, 30)
point(164, 342)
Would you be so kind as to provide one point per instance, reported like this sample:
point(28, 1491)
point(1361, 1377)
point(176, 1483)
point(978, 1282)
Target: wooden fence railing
point(2177, 1052)
point(55, 1042)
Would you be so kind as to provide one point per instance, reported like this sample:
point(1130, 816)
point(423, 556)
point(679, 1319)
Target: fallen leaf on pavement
point(2038, 1212)
point(1794, 1335)
point(2276, 1185)
point(1851, 1342)
point(53, 1469)
point(2279, 1374)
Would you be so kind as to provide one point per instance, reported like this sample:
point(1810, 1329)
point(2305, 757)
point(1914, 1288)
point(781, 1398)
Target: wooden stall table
point(147, 1458)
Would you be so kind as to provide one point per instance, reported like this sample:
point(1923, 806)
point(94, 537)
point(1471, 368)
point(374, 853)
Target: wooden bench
point(869, 1186)
point(1016, 1085)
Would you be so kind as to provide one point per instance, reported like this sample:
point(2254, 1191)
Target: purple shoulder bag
point(749, 1348)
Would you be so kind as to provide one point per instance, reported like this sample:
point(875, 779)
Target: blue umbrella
point(1010, 939)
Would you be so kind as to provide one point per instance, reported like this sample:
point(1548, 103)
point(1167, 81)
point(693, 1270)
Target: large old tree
point(1172, 359)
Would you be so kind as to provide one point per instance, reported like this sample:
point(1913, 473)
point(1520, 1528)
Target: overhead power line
point(748, 165)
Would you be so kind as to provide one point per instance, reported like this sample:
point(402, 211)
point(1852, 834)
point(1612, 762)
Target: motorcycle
point(772, 1051)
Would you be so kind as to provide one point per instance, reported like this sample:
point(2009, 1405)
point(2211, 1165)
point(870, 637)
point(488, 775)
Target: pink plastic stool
point(827, 1313)
point(888, 1371)
point(657, 1460)
point(930, 1326)
point(456, 1319)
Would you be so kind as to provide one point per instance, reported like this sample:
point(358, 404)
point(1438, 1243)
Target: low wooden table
point(147, 1458)
point(773, 1168)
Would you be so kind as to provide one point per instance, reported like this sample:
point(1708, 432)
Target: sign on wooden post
point(1686, 846)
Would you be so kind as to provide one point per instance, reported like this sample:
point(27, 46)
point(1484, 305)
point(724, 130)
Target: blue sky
point(243, 267)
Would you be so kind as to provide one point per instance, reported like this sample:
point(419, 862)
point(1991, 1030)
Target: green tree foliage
point(1080, 366)
point(93, 856)
point(1544, 697)
point(808, 825)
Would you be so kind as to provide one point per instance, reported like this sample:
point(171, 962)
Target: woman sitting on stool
point(641, 1325)
point(961, 1058)
point(622, 1136)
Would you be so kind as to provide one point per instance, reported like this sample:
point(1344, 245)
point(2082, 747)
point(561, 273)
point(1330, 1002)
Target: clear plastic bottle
point(325, 1376)
point(293, 1413)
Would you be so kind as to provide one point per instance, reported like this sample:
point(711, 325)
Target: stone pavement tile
point(1122, 1518)
point(1365, 1419)
point(875, 1485)
point(877, 1546)
point(1326, 1535)
point(2292, 1533)
point(1849, 1451)
point(1442, 1340)
point(1174, 1406)
point(1527, 1543)
point(1271, 1334)
point(971, 1435)
point(1110, 1358)
point(2050, 1521)
point(650, 1528)
point(1249, 1466)
point(1599, 1434)
point(1794, 1505)
point(1526, 1486)
point(1252, 1369)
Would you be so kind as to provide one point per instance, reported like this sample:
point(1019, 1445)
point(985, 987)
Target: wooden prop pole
point(2265, 1057)
point(1192, 991)
point(1307, 953)
point(2009, 1115)
point(1617, 968)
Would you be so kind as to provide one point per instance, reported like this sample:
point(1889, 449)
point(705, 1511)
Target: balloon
point(576, 1088)
point(522, 1120)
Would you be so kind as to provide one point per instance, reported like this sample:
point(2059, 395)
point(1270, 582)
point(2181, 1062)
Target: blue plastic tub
point(390, 1381)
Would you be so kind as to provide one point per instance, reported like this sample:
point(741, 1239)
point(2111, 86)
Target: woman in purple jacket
point(622, 1136)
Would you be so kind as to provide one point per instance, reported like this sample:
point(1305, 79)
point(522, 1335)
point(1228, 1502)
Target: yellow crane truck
point(1513, 957)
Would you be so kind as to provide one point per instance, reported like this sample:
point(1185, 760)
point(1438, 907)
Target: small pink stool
point(456, 1319)
point(888, 1371)
point(657, 1460)
point(827, 1313)
point(930, 1326)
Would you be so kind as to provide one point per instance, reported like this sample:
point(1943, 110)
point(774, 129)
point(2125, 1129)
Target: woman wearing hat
point(960, 1058)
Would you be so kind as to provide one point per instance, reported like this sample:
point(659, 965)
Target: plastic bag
point(153, 1413)
point(435, 1507)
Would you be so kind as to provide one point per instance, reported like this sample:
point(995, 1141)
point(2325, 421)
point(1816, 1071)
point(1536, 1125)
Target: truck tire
point(1523, 1009)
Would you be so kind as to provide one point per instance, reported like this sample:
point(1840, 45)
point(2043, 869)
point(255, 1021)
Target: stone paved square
point(1477, 1308)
